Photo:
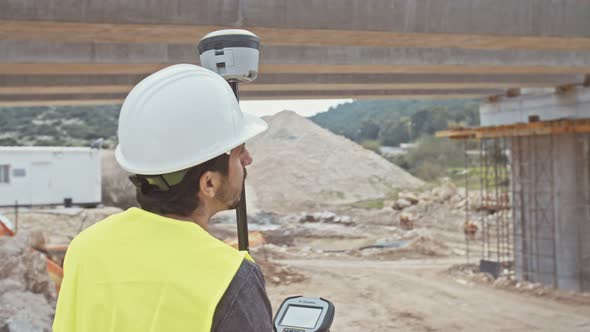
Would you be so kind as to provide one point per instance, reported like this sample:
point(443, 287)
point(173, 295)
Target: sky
point(302, 107)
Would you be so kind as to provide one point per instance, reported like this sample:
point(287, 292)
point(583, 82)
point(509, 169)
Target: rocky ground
point(27, 293)
point(382, 272)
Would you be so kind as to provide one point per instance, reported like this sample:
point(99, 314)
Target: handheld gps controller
point(304, 314)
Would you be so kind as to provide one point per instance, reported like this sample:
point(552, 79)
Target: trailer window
point(19, 172)
point(4, 174)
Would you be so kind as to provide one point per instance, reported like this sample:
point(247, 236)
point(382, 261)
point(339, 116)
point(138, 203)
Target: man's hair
point(180, 199)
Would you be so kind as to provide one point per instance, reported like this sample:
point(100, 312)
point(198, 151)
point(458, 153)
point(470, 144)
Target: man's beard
point(231, 199)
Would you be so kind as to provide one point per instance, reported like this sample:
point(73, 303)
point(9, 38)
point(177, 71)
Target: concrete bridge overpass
point(56, 52)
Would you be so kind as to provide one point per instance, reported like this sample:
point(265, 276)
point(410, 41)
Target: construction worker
point(156, 268)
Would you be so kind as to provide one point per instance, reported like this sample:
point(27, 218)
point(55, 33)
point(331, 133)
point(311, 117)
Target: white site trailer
point(49, 176)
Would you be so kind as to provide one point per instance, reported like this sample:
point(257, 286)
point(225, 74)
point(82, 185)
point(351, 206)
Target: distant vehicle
point(33, 175)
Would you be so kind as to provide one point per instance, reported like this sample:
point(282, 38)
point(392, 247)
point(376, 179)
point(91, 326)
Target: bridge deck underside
point(92, 52)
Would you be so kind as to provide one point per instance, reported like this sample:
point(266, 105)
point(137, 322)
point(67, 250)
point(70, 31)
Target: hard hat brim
point(252, 126)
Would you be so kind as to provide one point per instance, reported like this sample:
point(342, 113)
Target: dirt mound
point(298, 163)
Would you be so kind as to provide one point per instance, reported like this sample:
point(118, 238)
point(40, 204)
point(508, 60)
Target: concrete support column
point(550, 189)
point(551, 214)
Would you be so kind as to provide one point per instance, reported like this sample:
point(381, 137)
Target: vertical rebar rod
point(497, 204)
point(481, 198)
point(533, 206)
point(517, 196)
point(508, 199)
point(501, 205)
point(467, 169)
point(523, 212)
point(586, 202)
point(553, 216)
point(488, 201)
point(504, 203)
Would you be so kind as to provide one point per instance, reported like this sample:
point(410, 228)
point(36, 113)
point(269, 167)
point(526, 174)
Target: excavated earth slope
point(297, 163)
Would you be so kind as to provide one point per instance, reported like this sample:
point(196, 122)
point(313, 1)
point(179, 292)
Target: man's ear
point(209, 184)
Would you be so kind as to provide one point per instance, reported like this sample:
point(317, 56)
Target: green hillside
point(391, 122)
point(58, 126)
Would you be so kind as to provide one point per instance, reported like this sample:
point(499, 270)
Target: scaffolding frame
point(489, 208)
point(514, 205)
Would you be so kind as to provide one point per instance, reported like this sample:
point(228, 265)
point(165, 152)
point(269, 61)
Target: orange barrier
point(56, 273)
point(5, 231)
point(54, 270)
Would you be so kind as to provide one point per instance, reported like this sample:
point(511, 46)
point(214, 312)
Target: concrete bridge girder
point(72, 84)
point(443, 47)
point(76, 32)
point(561, 18)
point(52, 68)
point(62, 52)
point(290, 94)
point(88, 98)
point(283, 79)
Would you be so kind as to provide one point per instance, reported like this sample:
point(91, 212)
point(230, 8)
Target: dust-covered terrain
point(418, 295)
point(299, 164)
point(380, 275)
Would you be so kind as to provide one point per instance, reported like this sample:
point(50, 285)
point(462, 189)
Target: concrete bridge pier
point(550, 180)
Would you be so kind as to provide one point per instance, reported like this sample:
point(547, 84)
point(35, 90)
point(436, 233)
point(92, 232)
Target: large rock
point(401, 204)
point(20, 263)
point(445, 192)
point(406, 221)
point(18, 325)
point(27, 293)
point(25, 311)
point(410, 197)
point(325, 217)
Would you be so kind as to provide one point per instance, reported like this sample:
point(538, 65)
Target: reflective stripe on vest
point(138, 271)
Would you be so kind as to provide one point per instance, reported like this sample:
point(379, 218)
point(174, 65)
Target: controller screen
point(305, 317)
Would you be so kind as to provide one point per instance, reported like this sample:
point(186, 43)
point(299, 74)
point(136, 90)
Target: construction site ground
point(423, 286)
point(418, 295)
point(418, 285)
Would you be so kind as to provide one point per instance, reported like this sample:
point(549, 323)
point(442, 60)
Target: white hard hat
point(179, 117)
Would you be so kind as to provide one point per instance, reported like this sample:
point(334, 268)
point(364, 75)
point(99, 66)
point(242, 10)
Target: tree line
point(58, 126)
point(392, 122)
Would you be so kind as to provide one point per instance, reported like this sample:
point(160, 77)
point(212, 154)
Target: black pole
point(241, 213)
point(15, 216)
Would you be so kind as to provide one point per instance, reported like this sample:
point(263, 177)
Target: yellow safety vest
point(138, 271)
